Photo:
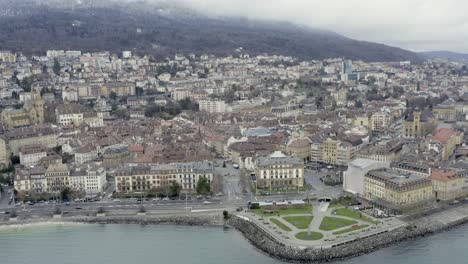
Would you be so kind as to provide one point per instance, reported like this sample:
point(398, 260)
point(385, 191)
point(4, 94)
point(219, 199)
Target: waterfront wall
point(274, 248)
point(194, 220)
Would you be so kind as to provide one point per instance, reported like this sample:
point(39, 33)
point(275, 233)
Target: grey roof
point(196, 167)
point(397, 180)
point(267, 161)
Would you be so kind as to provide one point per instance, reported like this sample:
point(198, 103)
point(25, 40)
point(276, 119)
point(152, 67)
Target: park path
point(319, 213)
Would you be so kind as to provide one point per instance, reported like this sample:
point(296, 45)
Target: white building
point(86, 154)
point(31, 155)
point(213, 106)
point(353, 178)
point(91, 179)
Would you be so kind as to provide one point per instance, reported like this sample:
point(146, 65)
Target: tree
point(174, 189)
point(152, 110)
point(65, 194)
point(226, 215)
point(56, 67)
point(203, 186)
point(113, 95)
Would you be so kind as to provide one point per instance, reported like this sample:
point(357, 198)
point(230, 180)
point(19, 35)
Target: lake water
point(134, 244)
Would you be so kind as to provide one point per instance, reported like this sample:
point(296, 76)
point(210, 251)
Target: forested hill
point(161, 29)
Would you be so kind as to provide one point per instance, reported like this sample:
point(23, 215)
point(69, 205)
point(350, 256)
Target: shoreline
point(264, 242)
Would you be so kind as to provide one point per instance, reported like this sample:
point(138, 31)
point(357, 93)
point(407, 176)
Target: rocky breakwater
point(194, 220)
point(274, 248)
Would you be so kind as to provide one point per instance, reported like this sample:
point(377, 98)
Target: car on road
point(165, 199)
point(206, 202)
point(116, 201)
point(219, 194)
point(78, 208)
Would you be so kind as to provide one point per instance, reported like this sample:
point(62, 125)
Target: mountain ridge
point(162, 29)
point(446, 55)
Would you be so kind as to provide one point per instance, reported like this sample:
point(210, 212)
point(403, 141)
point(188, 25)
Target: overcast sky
point(418, 25)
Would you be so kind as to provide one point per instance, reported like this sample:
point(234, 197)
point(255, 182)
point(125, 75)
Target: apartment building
point(397, 192)
point(213, 106)
point(31, 155)
point(143, 178)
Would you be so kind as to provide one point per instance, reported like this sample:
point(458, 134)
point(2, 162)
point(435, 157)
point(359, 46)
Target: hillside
point(446, 55)
point(162, 29)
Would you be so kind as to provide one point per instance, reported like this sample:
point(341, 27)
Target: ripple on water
point(127, 244)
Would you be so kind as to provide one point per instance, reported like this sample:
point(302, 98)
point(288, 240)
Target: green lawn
point(280, 224)
point(285, 211)
point(301, 222)
point(350, 229)
point(332, 223)
point(353, 214)
point(307, 236)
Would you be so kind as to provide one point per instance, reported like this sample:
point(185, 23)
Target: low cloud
point(417, 25)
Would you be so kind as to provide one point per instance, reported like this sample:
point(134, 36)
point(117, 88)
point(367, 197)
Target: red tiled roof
point(443, 135)
point(444, 175)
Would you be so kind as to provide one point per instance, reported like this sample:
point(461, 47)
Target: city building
point(335, 151)
point(448, 139)
point(90, 178)
point(387, 152)
point(144, 178)
point(32, 113)
point(213, 106)
point(279, 172)
point(397, 192)
point(353, 177)
point(19, 137)
point(419, 124)
point(75, 114)
point(300, 148)
point(31, 155)
point(448, 185)
point(57, 178)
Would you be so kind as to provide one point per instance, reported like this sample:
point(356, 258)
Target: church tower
point(37, 105)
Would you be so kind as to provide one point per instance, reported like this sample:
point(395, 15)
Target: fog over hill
point(162, 28)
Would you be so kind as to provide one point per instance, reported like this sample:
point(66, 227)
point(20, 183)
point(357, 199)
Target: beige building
point(389, 189)
point(76, 114)
point(32, 113)
point(388, 152)
point(447, 185)
point(20, 137)
point(299, 148)
point(57, 177)
point(141, 178)
point(279, 172)
point(449, 140)
point(7, 56)
point(380, 121)
point(335, 151)
point(419, 124)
